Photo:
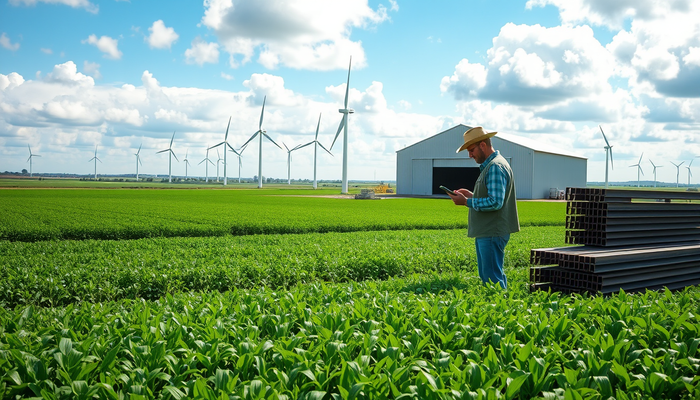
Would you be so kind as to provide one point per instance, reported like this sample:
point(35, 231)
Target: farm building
point(537, 167)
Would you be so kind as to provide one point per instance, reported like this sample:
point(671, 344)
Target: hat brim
point(476, 140)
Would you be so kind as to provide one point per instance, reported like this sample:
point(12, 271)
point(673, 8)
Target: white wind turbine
point(344, 124)
point(639, 168)
point(690, 174)
point(138, 161)
point(225, 143)
point(96, 160)
point(316, 143)
point(240, 163)
point(289, 161)
point(608, 155)
point(655, 167)
point(218, 160)
point(678, 170)
point(170, 158)
point(29, 160)
point(260, 133)
point(187, 162)
point(206, 162)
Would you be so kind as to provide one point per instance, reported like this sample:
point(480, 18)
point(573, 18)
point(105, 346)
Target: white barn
point(537, 167)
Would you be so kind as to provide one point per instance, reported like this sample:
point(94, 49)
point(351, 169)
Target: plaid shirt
point(496, 184)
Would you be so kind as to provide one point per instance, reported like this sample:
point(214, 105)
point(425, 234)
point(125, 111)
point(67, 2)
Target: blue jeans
point(490, 252)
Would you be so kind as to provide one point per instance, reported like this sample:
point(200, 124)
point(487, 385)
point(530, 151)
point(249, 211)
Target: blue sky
point(119, 74)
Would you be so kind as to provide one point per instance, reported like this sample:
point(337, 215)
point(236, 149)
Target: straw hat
point(474, 135)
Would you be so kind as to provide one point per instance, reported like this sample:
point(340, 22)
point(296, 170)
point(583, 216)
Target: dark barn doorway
point(454, 178)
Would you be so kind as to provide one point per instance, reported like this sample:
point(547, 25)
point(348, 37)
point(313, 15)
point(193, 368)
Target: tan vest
point(494, 223)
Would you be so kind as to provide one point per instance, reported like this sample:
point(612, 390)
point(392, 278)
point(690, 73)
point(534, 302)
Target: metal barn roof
point(519, 140)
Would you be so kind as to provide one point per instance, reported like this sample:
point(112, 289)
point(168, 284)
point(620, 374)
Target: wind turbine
point(678, 170)
point(240, 163)
point(226, 144)
point(31, 155)
point(289, 161)
point(608, 154)
point(655, 167)
point(639, 168)
point(689, 173)
point(260, 133)
point(344, 124)
point(206, 162)
point(218, 160)
point(138, 161)
point(187, 162)
point(316, 143)
point(170, 158)
point(96, 160)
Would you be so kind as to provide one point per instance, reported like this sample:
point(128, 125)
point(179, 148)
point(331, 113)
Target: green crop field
point(272, 294)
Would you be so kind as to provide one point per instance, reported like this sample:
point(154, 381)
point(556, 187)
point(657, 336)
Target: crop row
point(372, 340)
point(62, 272)
point(55, 214)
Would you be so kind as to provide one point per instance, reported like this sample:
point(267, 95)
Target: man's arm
point(496, 183)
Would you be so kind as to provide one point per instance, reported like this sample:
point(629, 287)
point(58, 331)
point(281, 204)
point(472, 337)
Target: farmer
point(493, 214)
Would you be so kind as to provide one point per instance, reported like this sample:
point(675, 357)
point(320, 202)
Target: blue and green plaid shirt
point(496, 184)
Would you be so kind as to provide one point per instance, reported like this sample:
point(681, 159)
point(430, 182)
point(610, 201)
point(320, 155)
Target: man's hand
point(466, 193)
point(458, 198)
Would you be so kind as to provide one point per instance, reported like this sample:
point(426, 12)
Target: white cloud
point(106, 45)
point(6, 43)
point(305, 34)
point(92, 69)
point(10, 81)
point(46, 51)
point(161, 37)
point(534, 65)
point(67, 74)
point(88, 6)
point(693, 57)
point(226, 76)
point(202, 52)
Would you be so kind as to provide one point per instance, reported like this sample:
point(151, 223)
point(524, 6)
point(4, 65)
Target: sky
point(119, 75)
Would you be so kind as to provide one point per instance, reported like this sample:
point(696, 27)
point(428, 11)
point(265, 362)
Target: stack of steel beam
point(633, 240)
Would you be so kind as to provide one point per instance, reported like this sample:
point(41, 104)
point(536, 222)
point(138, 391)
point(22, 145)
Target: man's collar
point(488, 160)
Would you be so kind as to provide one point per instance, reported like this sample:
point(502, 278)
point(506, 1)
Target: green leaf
point(514, 386)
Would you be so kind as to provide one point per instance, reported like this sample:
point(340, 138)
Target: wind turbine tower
point(289, 161)
point(170, 158)
point(29, 160)
point(678, 170)
point(218, 160)
point(690, 174)
point(96, 160)
point(639, 168)
point(138, 161)
point(187, 162)
point(316, 143)
point(344, 126)
point(206, 162)
point(226, 144)
point(608, 156)
point(240, 163)
point(260, 133)
point(655, 167)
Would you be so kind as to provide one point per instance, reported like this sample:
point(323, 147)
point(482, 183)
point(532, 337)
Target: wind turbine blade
point(216, 145)
point(35, 155)
point(251, 138)
point(347, 86)
point(640, 158)
point(99, 160)
point(612, 165)
point(691, 163)
point(232, 149)
point(270, 139)
point(162, 151)
point(606, 139)
point(139, 149)
point(285, 146)
point(174, 156)
point(327, 151)
point(140, 161)
point(340, 128)
point(200, 163)
point(652, 163)
point(301, 146)
point(317, 126)
point(171, 140)
point(227, 126)
point(262, 113)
